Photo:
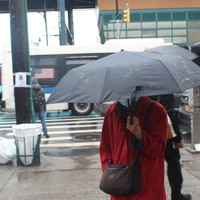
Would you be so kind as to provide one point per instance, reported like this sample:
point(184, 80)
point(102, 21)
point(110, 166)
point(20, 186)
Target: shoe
point(182, 197)
point(47, 136)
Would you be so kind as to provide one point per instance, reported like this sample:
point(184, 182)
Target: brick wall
point(148, 4)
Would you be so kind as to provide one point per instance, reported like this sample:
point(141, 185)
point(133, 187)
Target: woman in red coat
point(116, 134)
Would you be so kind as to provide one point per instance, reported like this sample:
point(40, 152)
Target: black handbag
point(123, 180)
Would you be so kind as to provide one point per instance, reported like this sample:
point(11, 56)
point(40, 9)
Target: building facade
point(176, 21)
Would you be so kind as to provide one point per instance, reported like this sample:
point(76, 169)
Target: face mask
point(124, 102)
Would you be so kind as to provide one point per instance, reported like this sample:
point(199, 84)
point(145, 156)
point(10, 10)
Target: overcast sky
point(85, 28)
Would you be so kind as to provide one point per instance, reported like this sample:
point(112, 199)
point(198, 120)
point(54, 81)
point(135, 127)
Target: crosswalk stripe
point(75, 119)
point(9, 124)
point(56, 138)
point(60, 127)
point(81, 122)
point(77, 144)
point(51, 139)
point(68, 132)
point(64, 131)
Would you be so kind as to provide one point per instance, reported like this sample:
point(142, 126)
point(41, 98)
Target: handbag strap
point(146, 119)
point(145, 123)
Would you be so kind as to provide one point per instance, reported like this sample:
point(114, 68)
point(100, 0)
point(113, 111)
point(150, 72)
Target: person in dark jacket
point(172, 154)
point(40, 113)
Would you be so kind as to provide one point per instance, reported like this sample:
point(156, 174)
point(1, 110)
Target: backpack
point(37, 100)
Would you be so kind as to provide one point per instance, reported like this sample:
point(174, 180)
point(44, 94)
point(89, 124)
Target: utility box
point(194, 104)
point(27, 140)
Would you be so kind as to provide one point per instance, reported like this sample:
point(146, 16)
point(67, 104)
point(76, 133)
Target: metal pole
point(70, 32)
point(117, 15)
point(46, 29)
point(63, 40)
point(117, 19)
point(45, 20)
point(20, 59)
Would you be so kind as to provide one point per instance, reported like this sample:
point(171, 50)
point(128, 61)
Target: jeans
point(172, 157)
point(41, 116)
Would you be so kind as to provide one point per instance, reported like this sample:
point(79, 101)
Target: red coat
point(115, 143)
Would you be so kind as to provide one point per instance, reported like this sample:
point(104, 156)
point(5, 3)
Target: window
point(194, 24)
point(164, 24)
point(181, 16)
point(43, 61)
point(44, 73)
point(173, 25)
point(164, 16)
point(44, 69)
point(79, 60)
point(194, 35)
point(149, 33)
point(148, 25)
point(134, 25)
point(179, 40)
point(122, 34)
point(134, 34)
point(73, 62)
point(193, 15)
point(148, 17)
point(135, 17)
point(179, 32)
point(107, 18)
point(179, 24)
point(164, 32)
point(109, 26)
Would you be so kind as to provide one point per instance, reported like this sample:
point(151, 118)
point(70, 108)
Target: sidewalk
point(76, 178)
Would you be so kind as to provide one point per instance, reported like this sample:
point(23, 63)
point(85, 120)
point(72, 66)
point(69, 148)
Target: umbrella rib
point(170, 73)
point(102, 88)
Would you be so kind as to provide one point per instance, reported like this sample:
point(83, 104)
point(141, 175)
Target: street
point(64, 130)
point(70, 164)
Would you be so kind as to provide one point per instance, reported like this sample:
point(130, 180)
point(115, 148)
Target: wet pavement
point(75, 175)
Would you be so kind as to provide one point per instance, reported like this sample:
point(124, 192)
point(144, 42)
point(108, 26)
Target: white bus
point(50, 64)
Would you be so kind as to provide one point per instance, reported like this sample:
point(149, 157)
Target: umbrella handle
point(132, 106)
point(130, 112)
point(131, 120)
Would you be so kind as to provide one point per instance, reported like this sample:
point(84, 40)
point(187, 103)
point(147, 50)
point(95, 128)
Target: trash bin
point(27, 140)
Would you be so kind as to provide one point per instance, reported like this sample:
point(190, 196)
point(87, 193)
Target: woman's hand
point(134, 128)
point(179, 144)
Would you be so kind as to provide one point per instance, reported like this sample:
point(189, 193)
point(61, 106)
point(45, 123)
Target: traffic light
point(126, 16)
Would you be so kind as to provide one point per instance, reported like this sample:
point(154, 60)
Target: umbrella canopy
point(173, 50)
point(125, 74)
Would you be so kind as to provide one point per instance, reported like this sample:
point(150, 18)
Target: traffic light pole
point(117, 19)
point(20, 60)
point(126, 18)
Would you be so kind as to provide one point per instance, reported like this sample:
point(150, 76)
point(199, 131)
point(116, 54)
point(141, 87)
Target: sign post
point(20, 60)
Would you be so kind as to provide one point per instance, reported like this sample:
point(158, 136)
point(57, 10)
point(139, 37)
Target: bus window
point(73, 62)
point(44, 73)
point(43, 61)
point(44, 69)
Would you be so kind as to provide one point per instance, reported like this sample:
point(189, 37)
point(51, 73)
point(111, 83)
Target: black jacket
point(168, 102)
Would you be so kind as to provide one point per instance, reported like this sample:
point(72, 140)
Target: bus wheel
point(81, 108)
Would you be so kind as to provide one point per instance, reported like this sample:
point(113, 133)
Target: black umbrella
point(173, 50)
point(119, 75)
